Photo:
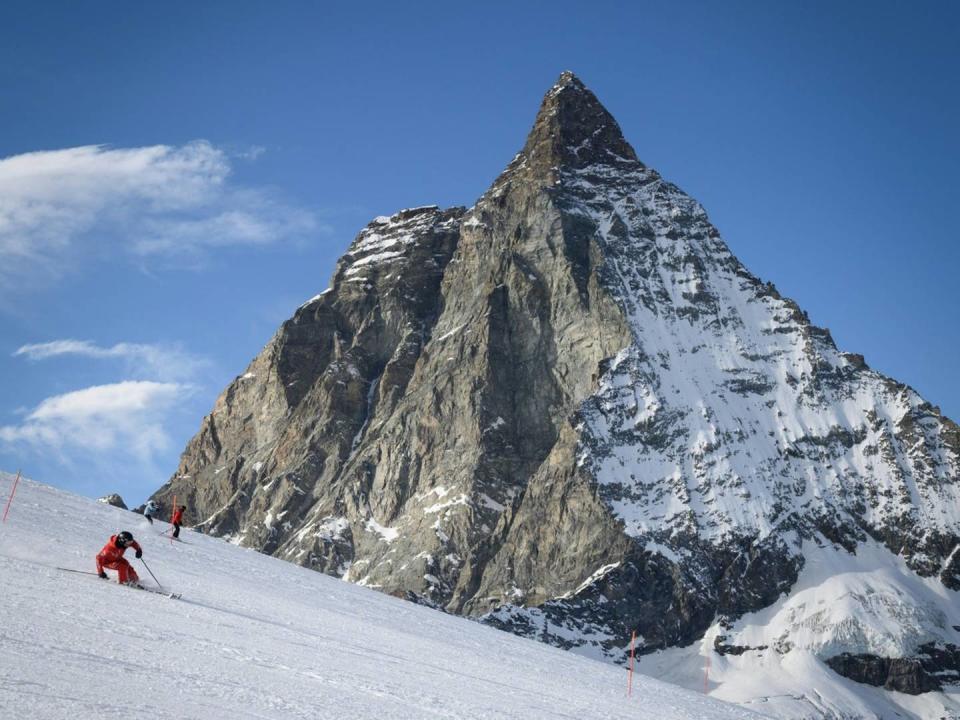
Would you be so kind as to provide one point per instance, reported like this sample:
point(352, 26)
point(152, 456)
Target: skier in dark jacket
point(177, 520)
point(111, 557)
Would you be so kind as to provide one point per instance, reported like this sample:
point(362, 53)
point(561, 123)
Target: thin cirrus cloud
point(161, 362)
point(128, 415)
point(170, 203)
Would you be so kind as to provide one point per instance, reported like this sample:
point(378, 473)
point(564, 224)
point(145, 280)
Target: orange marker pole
point(633, 639)
point(13, 490)
point(173, 509)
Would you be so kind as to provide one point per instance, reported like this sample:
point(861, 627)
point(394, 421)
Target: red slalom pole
point(633, 639)
point(12, 493)
point(173, 509)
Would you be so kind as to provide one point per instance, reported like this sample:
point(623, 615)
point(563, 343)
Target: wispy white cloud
point(120, 431)
point(250, 153)
point(161, 362)
point(255, 220)
point(158, 201)
point(126, 416)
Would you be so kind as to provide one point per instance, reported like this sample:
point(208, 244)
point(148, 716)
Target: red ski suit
point(177, 517)
point(111, 557)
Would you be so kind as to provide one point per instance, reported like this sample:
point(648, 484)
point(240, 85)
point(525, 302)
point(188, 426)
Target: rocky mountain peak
point(571, 411)
point(573, 129)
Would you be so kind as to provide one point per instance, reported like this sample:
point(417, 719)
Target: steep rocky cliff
point(571, 411)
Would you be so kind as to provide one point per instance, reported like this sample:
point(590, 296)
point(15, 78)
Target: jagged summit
point(568, 77)
point(574, 129)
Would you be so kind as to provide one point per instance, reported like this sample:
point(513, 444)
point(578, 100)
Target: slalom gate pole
point(173, 509)
point(151, 573)
point(13, 490)
point(633, 639)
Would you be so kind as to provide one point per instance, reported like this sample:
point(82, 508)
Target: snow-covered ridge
point(731, 414)
point(254, 636)
point(387, 239)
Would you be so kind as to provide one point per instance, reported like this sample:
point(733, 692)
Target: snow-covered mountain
point(255, 637)
point(571, 411)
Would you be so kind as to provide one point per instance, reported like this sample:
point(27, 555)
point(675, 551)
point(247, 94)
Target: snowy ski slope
point(256, 637)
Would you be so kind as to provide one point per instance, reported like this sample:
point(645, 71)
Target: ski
point(159, 591)
point(155, 591)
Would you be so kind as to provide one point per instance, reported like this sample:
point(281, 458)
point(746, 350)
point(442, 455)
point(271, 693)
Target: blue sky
point(177, 177)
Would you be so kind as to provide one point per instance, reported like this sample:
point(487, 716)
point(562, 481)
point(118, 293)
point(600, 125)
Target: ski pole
point(151, 572)
point(82, 572)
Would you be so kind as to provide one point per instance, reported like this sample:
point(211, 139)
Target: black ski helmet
point(125, 537)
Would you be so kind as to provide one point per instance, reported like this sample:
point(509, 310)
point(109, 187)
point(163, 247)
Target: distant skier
point(150, 510)
point(177, 520)
point(112, 557)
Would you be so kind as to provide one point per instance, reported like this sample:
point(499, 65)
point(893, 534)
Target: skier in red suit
point(177, 520)
point(111, 557)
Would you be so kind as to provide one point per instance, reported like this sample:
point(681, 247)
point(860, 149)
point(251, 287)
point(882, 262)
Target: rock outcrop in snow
point(571, 410)
point(113, 499)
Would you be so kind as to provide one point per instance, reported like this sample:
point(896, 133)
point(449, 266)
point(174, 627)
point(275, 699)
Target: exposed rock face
point(933, 667)
point(571, 410)
point(113, 499)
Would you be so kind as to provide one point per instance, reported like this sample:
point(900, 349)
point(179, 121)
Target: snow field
point(256, 637)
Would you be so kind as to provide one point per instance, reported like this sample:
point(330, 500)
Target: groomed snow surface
point(255, 637)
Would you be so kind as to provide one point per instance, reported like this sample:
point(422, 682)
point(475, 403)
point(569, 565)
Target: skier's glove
point(139, 554)
point(103, 575)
